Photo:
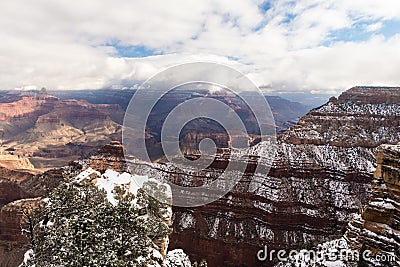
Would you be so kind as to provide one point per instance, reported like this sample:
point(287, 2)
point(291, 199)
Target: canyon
point(321, 174)
point(39, 131)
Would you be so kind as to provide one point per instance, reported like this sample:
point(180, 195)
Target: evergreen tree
point(78, 226)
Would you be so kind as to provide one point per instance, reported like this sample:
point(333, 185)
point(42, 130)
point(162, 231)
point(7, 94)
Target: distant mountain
point(102, 96)
point(53, 128)
point(307, 99)
point(286, 112)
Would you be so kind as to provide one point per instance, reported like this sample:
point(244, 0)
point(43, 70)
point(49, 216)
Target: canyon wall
point(44, 131)
point(377, 228)
point(321, 174)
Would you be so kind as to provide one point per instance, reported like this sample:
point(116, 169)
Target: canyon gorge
point(320, 176)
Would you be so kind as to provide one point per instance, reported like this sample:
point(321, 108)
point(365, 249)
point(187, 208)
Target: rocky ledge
point(377, 228)
point(359, 117)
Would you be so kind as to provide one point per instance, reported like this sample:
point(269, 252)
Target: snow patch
point(177, 258)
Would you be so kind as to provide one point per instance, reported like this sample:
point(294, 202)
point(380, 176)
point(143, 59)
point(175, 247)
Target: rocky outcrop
point(12, 242)
point(110, 156)
point(14, 162)
point(17, 193)
point(10, 191)
point(14, 175)
point(364, 95)
point(190, 141)
point(377, 228)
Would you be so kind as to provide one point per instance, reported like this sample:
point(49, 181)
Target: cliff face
point(377, 229)
point(10, 191)
point(51, 132)
point(321, 174)
point(12, 242)
point(17, 192)
point(111, 156)
point(373, 236)
point(360, 117)
point(378, 95)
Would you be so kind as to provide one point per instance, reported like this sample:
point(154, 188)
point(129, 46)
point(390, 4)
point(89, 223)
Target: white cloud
point(374, 27)
point(292, 46)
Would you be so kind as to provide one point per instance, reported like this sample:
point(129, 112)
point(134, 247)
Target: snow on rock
point(186, 221)
point(27, 256)
point(111, 178)
point(86, 175)
point(377, 228)
point(177, 258)
point(329, 254)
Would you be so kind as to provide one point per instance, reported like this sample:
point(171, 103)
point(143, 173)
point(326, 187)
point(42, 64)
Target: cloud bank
point(306, 45)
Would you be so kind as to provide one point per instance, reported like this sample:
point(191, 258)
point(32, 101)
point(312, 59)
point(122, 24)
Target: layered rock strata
point(48, 132)
point(321, 174)
point(377, 228)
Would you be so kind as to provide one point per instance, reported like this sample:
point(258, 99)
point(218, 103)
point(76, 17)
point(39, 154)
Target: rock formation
point(320, 176)
point(38, 129)
point(12, 242)
point(373, 236)
point(22, 191)
point(285, 112)
point(377, 228)
point(110, 156)
point(51, 132)
point(19, 191)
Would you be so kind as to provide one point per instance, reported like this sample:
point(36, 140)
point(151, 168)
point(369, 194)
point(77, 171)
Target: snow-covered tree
point(80, 226)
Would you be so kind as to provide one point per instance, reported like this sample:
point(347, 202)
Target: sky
point(313, 46)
